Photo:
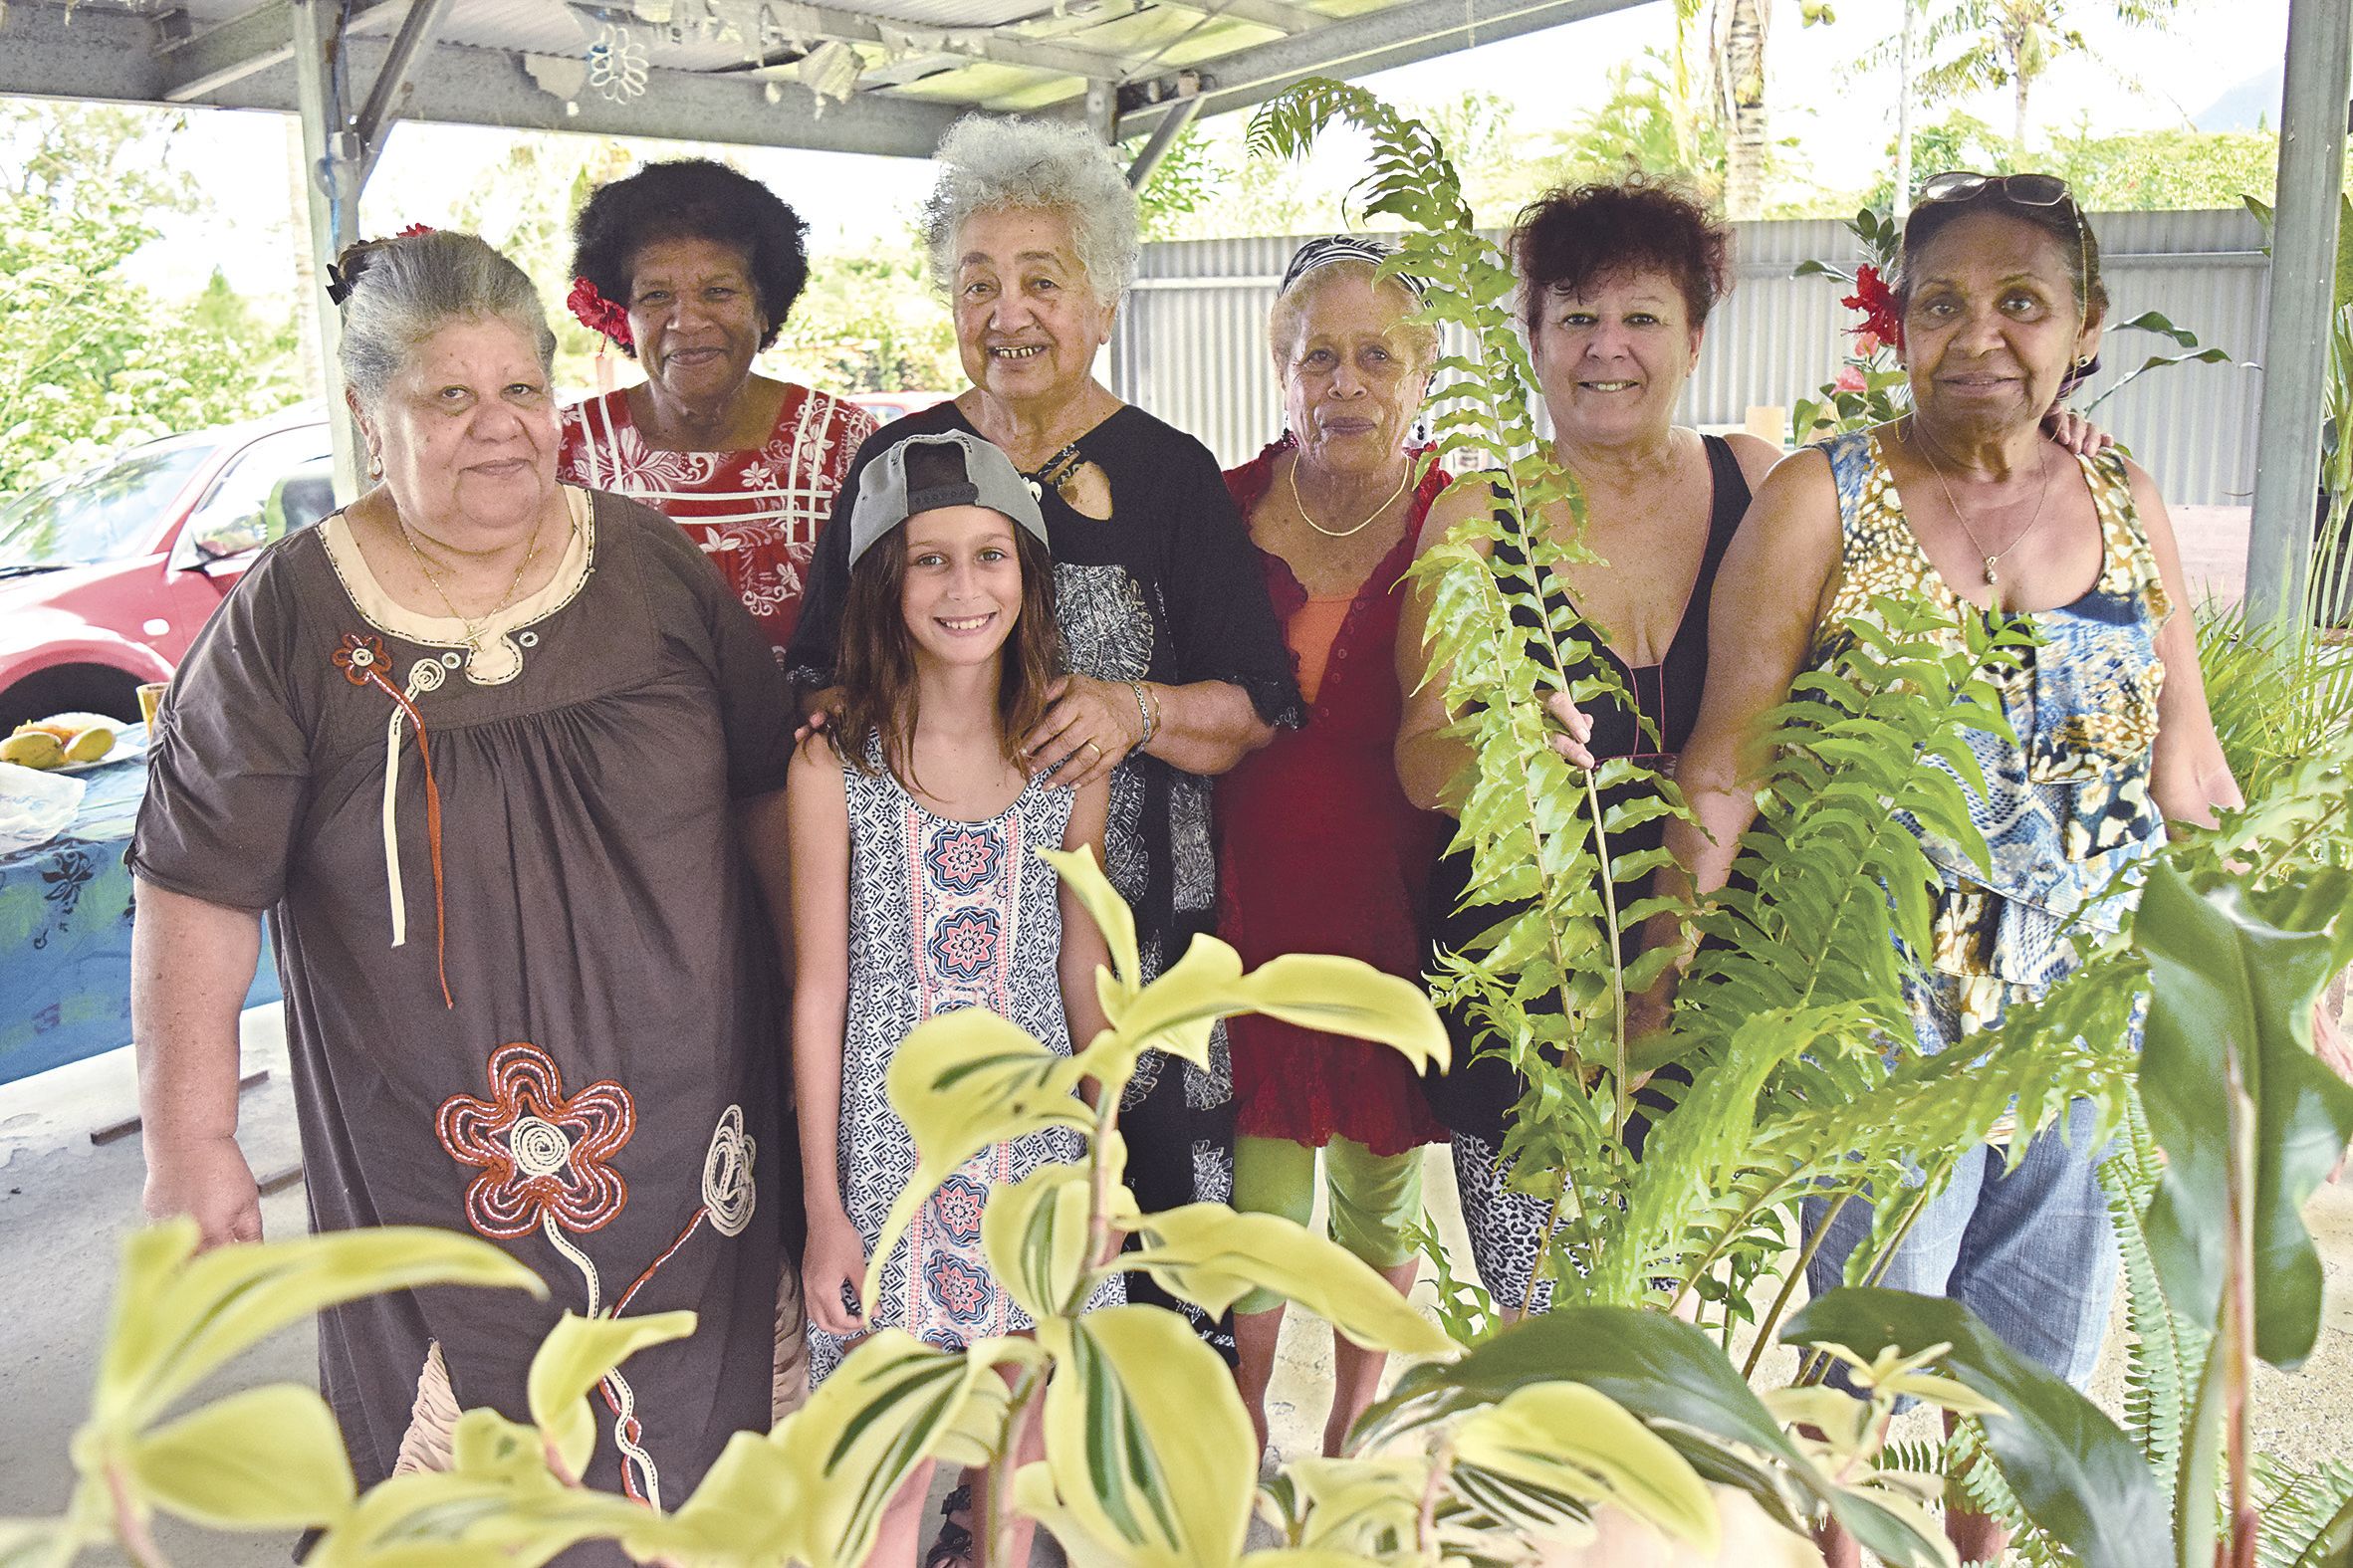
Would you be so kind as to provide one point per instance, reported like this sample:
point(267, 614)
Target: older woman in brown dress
point(478, 744)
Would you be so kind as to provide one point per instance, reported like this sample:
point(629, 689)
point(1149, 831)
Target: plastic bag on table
point(35, 807)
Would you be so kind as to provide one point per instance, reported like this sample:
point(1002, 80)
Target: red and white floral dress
point(755, 513)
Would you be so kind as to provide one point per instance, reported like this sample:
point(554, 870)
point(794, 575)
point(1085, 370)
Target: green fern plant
point(1546, 982)
point(2307, 1514)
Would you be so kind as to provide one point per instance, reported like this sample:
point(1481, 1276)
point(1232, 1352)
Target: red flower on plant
point(598, 314)
point(361, 658)
point(1850, 380)
point(1883, 318)
point(543, 1153)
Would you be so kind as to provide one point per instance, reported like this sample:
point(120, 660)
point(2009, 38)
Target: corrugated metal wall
point(1192, 347)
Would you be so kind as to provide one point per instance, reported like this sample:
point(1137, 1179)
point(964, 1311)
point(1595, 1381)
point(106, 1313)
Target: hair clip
point(339, 285)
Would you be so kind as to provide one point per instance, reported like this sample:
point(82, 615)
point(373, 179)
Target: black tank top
point(1476, 1099)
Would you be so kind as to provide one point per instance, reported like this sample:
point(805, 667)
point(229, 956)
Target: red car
point(106, 575)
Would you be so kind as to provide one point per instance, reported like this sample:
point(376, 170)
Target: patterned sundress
point(2066, 807)
point(943, 915)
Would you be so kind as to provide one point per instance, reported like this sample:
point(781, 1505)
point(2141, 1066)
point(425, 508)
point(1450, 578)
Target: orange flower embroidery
point(362, 658)
point(543, 1153)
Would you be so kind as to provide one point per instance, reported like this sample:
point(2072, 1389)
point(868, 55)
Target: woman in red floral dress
point(692, 266)
point(1319, 851)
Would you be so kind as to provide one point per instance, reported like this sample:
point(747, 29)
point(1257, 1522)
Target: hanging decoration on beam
point(832, 71)
point(617, 65)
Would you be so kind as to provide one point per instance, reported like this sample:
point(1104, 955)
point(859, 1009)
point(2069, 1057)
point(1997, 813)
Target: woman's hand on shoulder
point(2076, 434)
point(819, 710)
point(1089, 728)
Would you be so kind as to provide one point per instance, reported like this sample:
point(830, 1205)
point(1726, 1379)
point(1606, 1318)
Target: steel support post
point(2303, 293)
point(331, 165)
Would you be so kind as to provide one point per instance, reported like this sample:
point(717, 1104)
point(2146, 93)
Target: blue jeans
point(2029, 1251)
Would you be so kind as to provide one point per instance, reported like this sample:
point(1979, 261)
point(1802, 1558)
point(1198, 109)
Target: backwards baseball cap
point(924, 471)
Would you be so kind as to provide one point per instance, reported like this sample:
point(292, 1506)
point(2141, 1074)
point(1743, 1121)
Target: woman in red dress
point(691, 267)
point(1318, 849)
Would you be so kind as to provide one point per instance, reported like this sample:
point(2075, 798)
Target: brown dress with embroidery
point(600, 1094)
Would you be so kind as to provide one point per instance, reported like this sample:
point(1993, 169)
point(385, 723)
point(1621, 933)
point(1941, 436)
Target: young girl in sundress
point(917, 890)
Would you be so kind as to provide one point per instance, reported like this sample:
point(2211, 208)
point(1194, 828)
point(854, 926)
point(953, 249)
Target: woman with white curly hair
point(1177, 666)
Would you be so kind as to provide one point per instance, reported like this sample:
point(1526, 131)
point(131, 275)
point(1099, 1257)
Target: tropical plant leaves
point(2230, 1011)
point(179, 1316)
point(962, 1081)
point(1677, 1382)
point(1149, 1451)
point(2080, 1480)
point(1568, 1439)
point(1211, 1256)
point(575, 1357)
point(1036, 1238)
point(264, 1458)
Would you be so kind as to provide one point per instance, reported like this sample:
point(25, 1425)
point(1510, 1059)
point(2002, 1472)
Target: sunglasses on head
point(2027, 190)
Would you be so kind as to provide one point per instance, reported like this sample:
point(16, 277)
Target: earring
point(1421, 434)
point(375, 466)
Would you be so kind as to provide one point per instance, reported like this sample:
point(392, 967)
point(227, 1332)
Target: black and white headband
point(1343, 246)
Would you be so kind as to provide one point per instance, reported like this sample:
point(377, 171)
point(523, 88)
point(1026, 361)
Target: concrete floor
point(64, 1202)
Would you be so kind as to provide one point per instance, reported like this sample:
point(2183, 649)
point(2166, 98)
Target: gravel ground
point(63, 1201)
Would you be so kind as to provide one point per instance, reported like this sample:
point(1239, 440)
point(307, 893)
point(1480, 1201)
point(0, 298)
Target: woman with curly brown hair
point(1616, 285)
point(693, 268)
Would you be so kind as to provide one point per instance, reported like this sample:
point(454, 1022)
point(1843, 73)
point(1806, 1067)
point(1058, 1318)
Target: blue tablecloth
point(65, 933)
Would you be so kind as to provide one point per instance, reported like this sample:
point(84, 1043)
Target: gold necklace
point(1342, 532)
point(473, 626)
point(1993, 578)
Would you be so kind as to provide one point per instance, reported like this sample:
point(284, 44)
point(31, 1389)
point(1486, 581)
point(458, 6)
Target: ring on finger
point(1098, 750)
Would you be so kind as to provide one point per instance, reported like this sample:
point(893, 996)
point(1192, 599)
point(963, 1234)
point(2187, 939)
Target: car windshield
point(100, 514)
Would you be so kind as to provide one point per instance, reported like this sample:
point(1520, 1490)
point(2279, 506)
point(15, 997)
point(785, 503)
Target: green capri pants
point(1376, 1197)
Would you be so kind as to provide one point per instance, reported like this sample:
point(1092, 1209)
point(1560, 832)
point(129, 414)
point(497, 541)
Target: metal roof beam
point(1356, 47)
point(958, 46)
point(202, 63)
point(111, 56)
point(1284, 18)
point(102, 54)
point(392, 81)
point(458, 85)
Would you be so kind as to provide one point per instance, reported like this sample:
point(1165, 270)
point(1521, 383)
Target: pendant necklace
point(1342, 532)
point(1991, 559)
point(473, 627)
point(1053, 473)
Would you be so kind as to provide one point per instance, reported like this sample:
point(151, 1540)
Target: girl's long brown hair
point(876, 668)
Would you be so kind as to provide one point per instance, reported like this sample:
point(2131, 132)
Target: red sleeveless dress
point(1319, 851)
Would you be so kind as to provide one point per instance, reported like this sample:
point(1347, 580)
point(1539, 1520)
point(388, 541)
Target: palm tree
point(1739, 83)
point(2011, 43)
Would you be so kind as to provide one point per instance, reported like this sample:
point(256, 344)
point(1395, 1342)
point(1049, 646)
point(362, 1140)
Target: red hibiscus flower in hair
point(598, 314)
point(415, 229)
point(1883, 320)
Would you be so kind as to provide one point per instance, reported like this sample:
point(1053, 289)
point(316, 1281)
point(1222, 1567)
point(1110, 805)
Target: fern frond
point(2307, 1514)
